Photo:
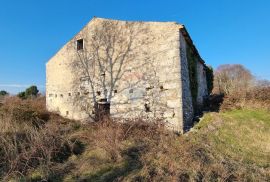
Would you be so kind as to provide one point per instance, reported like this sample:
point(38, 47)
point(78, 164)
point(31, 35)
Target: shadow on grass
point(131, 164)
point(211, 104)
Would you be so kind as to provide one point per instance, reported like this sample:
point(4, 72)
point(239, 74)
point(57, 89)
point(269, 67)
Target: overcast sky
point(224, 31)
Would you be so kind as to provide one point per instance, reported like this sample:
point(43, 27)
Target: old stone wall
point(186, 99)
point(149, 88)
point(202, 84)
point(154, 80)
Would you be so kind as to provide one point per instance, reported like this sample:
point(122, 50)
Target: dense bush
point(29, 139)
point(30, 92)
point(257, 97)
point(3, 93)
point(240, 88)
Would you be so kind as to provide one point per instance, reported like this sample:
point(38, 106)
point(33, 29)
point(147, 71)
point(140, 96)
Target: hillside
point(225, 146)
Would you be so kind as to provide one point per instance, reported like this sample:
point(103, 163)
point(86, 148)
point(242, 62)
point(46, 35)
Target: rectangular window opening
point(79, 44)
point(147, 108)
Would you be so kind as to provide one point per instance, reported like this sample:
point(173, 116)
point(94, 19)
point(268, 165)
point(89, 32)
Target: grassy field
point(226, 146)
point(242, 135)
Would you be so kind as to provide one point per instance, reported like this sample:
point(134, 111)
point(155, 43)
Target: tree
point(103, 60)
point(232, 79)
point(3, 93)
point(262, 83)
point(29, 93)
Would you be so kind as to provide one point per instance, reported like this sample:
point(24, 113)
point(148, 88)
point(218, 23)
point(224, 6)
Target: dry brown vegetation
point(255, 98)
point(30, 137)
point(232, 79)
point(240, 88)
point(36, 145)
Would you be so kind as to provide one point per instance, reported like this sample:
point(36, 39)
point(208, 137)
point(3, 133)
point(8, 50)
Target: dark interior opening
point(147, 108)
point(79, 44)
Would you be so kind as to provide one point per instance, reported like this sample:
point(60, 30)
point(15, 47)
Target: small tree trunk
point(102, 109)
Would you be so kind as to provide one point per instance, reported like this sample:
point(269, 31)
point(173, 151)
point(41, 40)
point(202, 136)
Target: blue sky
point(224, 31)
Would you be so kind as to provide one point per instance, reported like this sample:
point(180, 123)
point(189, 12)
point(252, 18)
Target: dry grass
point(255, 98)
point(139, 151)
point(36, 145)
point(30, 139)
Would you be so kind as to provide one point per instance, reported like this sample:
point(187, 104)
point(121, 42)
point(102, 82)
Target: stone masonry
point(154, 80)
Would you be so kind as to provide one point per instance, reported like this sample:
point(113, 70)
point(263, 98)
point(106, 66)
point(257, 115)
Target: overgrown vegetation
point(3, 93)
point(192, 69)
point(232, 145)
point(240, 88)
point(31, 139)
point(209, 78)
point(30, 92)
point(36, 145)
point(232, 79)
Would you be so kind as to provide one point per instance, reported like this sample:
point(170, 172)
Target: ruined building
point(141, 69)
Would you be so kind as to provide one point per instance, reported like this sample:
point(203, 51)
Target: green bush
point(3, 93)
point(21, 95)
point(29, 93)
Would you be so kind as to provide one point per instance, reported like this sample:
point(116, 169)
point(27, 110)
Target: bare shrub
point(111, 135)
point(25, 111)
point(108, 136)
point(28, 140)
point(240, 88)
point(232, 79)
point(257, 97)
point(259, 93)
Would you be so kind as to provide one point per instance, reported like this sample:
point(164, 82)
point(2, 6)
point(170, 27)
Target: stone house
point(142, 69)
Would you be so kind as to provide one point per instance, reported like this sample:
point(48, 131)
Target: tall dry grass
point(29, 139)
point(137, 150)
point(152, 153)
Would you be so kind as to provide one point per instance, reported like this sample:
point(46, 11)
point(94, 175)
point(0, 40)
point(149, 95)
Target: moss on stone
point(209, 78)
point(192, 68)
